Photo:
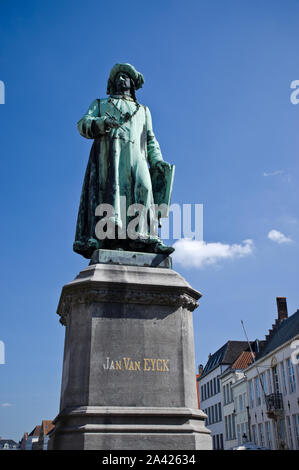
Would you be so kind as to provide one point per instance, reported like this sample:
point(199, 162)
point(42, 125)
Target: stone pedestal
point(129, 371)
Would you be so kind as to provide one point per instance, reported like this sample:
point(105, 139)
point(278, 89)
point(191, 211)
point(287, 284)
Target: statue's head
point(124, 79)
point(123, 83)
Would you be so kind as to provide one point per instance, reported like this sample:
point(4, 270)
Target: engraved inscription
point(146, 364)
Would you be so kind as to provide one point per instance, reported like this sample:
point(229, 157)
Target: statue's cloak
point(118, 165)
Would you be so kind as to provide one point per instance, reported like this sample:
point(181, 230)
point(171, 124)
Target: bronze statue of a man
point(125, 164)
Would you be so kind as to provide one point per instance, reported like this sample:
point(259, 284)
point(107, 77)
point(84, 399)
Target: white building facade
point(211, 404)
point(239, 389)
point(273, 388)
point(235, 400)
point(234, 391)
point(210, 390)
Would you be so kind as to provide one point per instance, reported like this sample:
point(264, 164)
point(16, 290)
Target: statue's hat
point(136, 76)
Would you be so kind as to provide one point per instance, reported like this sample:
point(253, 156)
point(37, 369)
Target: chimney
point(200, 369)
point(282, 309)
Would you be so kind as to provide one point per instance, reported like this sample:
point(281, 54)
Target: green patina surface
point(125, 161)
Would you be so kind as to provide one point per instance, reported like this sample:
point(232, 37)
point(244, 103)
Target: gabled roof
point(283, 333)
point(10, 442)
point(47, 426)
point(243, 361)
point(226, 355)
point(36, 431)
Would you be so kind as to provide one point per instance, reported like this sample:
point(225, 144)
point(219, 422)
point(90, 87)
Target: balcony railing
point(274, 403)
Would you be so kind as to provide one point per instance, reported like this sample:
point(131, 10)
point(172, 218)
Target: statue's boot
point(160, 247)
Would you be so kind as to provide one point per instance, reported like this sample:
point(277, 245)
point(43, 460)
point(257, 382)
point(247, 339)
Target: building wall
point(30, 441)
point(279, 374)
point(241, 404)
point(210, 394)
point(230, 402)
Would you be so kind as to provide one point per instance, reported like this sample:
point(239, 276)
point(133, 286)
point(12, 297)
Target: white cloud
point(273, 173)
point(5, 405)
point(278, 237)
point(198, 254)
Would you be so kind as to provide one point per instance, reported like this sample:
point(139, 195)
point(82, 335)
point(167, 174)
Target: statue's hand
point(111, 123)
point(161, 165)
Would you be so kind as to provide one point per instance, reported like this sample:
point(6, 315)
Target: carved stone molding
point(172, 298)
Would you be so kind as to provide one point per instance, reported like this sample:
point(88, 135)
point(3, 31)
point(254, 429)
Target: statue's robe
point(118, 166)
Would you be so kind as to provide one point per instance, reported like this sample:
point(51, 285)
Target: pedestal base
point(129, 371)
point(138, 428)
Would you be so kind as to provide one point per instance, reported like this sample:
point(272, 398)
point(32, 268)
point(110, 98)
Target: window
point(254, 435)
point(233, 427)
point(284, 379)
point(261, 435)
point(251, 394)
point(230, 428)
point(239, 436)
point(216, 413)
point(241, 403)
point(268, 434)
point(219, 411)
point(221, 441)
point(269, 381)
point(226, 427)
point(224, 395)
point(257, 391)
point(264, 382)
point(214, 385)
point(289, 432)
point(275, 379)
point(218, 384)
point(296, 427)
point(292, 383)
point(282, 430)
point(231, 398)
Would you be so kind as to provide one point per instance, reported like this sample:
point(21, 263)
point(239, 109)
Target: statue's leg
point(143, 195)
point(149, 240)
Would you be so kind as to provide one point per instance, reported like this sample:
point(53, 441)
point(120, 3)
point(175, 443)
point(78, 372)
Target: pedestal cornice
point(127, 284)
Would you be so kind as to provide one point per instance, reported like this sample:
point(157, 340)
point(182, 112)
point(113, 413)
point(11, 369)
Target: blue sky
point(217, 82)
